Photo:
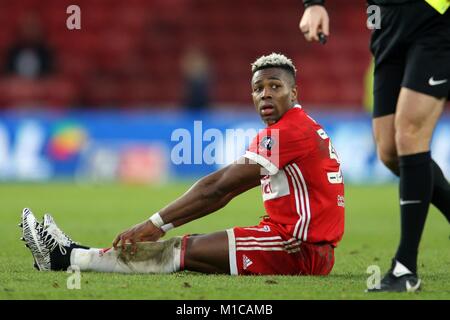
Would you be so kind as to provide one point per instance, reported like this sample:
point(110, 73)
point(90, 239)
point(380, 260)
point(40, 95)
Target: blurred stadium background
point(101, 103)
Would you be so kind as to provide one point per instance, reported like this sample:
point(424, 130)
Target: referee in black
point(411, 85)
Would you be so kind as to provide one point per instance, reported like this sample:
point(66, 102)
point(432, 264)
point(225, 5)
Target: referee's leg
point(384, 133)
point(415, 119)
point(385, 138)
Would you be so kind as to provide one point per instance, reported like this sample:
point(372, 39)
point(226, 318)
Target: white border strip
point(260, 249)
point(308, 210)
point(273, 243)
point(303, 203)
point(296, 202)
point(258, 239)
point(259, 159)
point(232, 252)
point(288, 250)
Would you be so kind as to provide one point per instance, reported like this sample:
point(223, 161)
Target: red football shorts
point(267, 249)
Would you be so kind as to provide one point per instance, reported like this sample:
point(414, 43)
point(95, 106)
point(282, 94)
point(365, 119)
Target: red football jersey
point(303, 190)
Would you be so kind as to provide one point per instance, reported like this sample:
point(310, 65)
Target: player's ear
point(294, 93)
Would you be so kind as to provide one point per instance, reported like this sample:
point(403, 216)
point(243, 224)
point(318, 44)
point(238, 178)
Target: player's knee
point(207, 253)
point(196, 245)
point(192, 247)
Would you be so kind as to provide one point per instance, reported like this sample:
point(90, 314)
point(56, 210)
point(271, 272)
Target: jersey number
point(333, 177)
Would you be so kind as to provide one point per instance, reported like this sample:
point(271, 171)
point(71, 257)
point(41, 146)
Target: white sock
point(151, 257)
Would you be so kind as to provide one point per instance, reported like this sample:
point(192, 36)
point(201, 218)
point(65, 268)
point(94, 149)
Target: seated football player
point(302, 187)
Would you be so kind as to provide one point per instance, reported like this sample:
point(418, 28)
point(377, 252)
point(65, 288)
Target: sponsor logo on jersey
point(267, 189)
point(340, 201)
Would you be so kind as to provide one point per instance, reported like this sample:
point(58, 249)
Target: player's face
point(273, 93)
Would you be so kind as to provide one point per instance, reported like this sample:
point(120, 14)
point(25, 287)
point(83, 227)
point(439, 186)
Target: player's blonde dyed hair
point(274, 60)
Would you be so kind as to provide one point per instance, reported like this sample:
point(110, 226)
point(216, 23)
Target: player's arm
point(217, 205)
point(315, 20)
point(205, 196)
point(212, 192)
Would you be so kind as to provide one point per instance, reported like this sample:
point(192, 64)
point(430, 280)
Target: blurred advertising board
point(154, 147)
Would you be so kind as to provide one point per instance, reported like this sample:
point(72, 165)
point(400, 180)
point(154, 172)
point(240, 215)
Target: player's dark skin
point(274, 93)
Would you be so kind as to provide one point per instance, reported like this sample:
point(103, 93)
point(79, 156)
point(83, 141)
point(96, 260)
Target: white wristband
point(167, 227)
point(157, 220)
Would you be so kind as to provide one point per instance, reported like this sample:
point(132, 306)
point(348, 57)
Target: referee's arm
point(315, 20)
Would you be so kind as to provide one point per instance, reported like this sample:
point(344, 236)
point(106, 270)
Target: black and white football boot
point(27, 221)
point(398, 279)
point(49, 246)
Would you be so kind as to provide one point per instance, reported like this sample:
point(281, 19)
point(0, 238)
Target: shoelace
point(52, 239)
point(59, 234)
point(53, 228)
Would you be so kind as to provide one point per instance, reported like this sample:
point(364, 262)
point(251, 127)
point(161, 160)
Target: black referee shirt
point(388, 2)
point(378, 2)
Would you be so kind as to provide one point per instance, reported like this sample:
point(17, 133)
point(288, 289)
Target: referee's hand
point(315, 20)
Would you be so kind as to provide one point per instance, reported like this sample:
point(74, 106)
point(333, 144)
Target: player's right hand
point(144, 231)
point(315, 20)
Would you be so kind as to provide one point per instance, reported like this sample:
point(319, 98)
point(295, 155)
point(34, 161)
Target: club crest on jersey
point(267, 143)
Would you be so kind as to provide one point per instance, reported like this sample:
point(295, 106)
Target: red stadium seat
point(125, 48)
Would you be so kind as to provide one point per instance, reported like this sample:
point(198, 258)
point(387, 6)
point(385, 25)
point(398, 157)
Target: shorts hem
point(232, 252)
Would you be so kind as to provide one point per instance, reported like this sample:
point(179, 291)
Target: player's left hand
point(144, 231)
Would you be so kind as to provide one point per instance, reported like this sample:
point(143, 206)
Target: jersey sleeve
point(274, 148)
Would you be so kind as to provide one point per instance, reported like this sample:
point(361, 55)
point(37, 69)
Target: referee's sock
point(441, 189)
point(416, 188)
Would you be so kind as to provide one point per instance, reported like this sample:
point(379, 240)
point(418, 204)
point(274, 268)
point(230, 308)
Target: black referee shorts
point(412, 50)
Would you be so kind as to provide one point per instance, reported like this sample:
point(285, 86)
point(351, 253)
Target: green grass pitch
point(94, 214)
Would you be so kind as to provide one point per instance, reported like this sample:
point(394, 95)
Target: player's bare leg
point(207, 253)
